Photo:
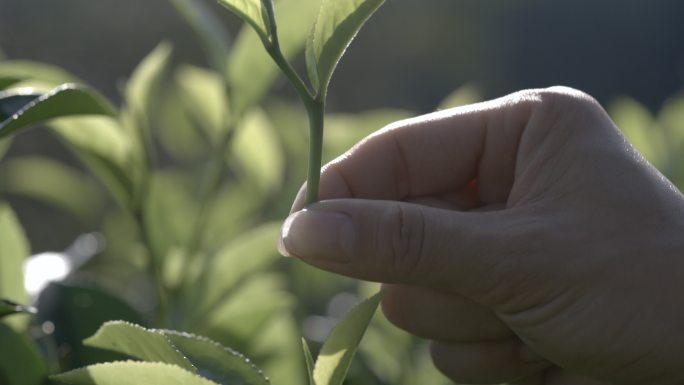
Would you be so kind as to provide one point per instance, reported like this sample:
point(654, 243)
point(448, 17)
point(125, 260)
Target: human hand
point(524, 236)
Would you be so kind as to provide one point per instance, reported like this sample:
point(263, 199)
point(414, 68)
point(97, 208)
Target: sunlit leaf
point(14, 249)
point(251, 71)
point(208, 27)
point(131, 373)
point(20, 108)
point(103, 146)
point(245, 310)
point(257, 153)
point(20, 361)
point(9, 307)
point(14, 71)
point(308, 358)
point(242, 257)
point(640, 128)
point(337, 24)
point(4, 146)
point(138, 342)
point(203, 95)
point(215, 362)
point(53, 183)
point(338, 350)
point(253, 12)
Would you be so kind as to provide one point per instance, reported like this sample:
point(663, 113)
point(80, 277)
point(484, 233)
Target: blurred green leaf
point(131, 373)
point(4, 146)
point(20, 362)
point(14, 249)
point(245, 310)
point(240, 259)
point(251, 71)
point(168, 205)
point(77, 313)
point(257, 153)
point(9, 307)
point(338, 350)
point(640, 128)
point(277, 346)
point(337, 24)
point(53, 183)
point(138, 342)
point(308, 358)
point(208, 27)
point(22, 108)
point(14, 71)
point(468, 93)
point(215, 362)
point(102, 145)
point(253, 12)
point(182, 137)
point(203, 95)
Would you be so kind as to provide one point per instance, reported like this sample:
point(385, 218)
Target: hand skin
point(524, 236)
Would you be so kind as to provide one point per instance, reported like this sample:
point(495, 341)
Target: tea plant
point(185, 262)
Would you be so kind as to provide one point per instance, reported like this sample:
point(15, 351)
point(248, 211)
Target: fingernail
point(316, 235)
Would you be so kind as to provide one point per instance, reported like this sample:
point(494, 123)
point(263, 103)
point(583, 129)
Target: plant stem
point(316, 111)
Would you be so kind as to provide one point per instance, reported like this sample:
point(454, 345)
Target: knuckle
point(404, 242)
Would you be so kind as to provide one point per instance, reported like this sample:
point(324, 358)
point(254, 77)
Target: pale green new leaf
point(131, 373)
point(20, 361)
point(53, 183)
point(338, 350)
point(138, 342)
point(640, 128)
point(257, 153)
point(215, 362)
point(14, 249)
point(308, 358)
point(24, 107)
point(238, 260)
point(208, 27)
point(466, 94)
point(337, 24)
point(203, 96)
point(253, 12)
point(251, 71)
point(103, 146)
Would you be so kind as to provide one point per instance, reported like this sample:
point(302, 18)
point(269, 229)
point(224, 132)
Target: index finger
point(432, 155)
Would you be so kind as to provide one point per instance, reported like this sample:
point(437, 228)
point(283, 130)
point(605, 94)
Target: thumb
point(398, 242)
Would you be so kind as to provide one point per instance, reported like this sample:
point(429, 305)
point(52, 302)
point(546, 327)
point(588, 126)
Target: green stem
point(316, 111)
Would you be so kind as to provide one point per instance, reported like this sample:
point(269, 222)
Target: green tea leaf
point(204, 97)
point(22, 108)
point(308, 358)
point(131, 373)
point(103, 146)
point(337, 24)
point(4, 146)
point(208, 27)
point(338, 350)
point(639, 126)
point(238, 260)
point(257, 153)
point(14, 249)
point(20, 362)
point(53, 183)
point(215, 362)
point(14, 71)
point(9, 307)
point(251, 71)
point(468, 93)
point(253, 12)
point(138, 342)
